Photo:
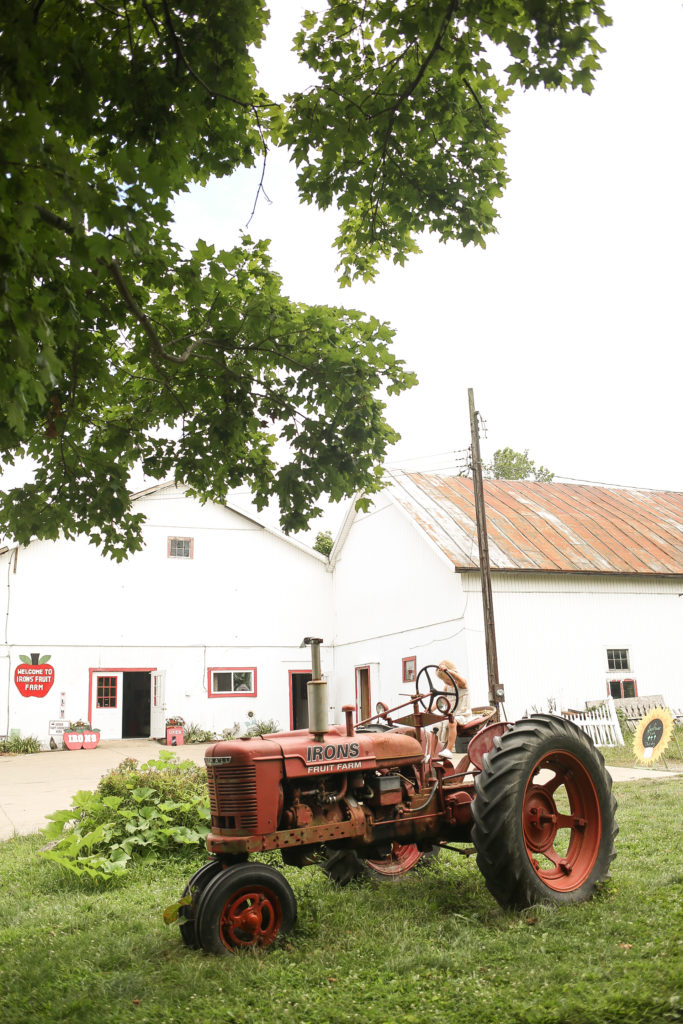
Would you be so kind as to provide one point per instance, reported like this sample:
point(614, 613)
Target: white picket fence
point(601, 724)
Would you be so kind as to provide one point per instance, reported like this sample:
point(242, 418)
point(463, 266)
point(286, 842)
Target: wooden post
point(496, 690)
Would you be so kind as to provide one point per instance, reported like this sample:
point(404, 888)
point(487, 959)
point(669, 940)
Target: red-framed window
point(408, 669)
point(107, 691)
point(231, 682)
point(180, 547)
point(94, 674)
point(618, 688)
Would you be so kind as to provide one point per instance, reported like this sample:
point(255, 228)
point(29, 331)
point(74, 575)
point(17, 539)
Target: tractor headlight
point(380, 708)
point(443, 705)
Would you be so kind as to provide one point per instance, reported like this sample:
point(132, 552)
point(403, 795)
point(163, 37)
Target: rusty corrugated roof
point(539, 527)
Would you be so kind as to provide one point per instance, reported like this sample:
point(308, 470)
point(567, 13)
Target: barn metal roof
point(541, 527)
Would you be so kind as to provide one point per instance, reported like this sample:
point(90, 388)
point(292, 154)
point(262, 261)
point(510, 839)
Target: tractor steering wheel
point(427, 702)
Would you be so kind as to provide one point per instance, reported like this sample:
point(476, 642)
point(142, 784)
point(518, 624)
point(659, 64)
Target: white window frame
point(183, 540)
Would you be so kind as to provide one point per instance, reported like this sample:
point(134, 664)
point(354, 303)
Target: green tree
point(508, 464)
point(324, 542)
point(117, 347)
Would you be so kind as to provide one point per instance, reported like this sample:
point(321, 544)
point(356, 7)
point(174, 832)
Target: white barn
point(586, 584)
point(206, 622)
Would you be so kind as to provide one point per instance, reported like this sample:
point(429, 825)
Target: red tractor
point(532, 798)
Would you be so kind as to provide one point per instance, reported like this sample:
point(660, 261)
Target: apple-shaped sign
point(75, 739)
point(34, 677)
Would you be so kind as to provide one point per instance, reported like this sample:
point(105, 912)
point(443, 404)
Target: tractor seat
point(481, 717)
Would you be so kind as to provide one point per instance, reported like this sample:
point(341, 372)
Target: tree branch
point(412, 86)
point(121, 286)
point(180, 54)
point(54, 221)
point(144, 321)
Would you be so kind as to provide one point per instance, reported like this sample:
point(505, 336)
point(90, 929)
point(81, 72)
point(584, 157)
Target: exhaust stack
point(317, 691)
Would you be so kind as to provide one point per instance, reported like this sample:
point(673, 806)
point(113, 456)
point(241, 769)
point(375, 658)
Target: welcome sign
point(34, 677)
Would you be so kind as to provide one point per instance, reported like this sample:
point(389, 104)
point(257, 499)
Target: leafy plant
point(19, 745)
point(137, 811)
point(194, 733)
point(324, 542)
point(258, 727)
point(508, 464)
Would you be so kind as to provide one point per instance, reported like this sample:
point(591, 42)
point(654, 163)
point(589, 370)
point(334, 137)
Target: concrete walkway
point(34, 785)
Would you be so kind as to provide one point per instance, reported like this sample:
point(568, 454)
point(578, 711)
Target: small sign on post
point(652, 735)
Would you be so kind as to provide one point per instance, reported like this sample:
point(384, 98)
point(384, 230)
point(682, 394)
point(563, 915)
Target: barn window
point(619, 688)
point(106, 691)
point(232, 682)
point(617, 659)
point(180, 547)
point(409, 669)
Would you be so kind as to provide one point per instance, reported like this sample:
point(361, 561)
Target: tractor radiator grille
point(232, 797)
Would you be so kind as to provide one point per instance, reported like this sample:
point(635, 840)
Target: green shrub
point(258, 727)
point(17, 745)
point(194, 733)
point(137, 811)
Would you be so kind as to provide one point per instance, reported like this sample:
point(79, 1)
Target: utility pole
point(496, 690)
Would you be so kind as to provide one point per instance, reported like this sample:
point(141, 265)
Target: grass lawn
point(434, 948)
point(624, 756)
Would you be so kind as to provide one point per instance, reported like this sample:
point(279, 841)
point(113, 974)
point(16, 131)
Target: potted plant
point(81, 734)
point(174, 731)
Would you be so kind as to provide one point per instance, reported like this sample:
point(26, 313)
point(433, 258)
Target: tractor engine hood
point(304, 756)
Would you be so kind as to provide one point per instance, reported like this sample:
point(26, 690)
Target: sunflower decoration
point(652, 735)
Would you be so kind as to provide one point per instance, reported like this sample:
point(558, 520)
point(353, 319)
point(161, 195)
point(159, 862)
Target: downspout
point(9, 662)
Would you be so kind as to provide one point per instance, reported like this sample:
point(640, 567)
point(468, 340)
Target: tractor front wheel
point(194, 888)
point(244, 907)
point(544, 825)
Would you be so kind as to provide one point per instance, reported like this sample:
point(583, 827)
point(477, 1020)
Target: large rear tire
point(544, 824)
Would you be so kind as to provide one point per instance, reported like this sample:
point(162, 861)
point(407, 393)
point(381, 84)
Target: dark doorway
point(298, 699)
point(363, 692)
point(136, 704)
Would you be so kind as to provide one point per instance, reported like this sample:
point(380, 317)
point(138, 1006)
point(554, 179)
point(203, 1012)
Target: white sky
point(568, 325)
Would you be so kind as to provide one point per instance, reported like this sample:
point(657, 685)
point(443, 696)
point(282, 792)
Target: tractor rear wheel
point(244, 907)
point(544, 825)
point(402, 859)
point(344, 865)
